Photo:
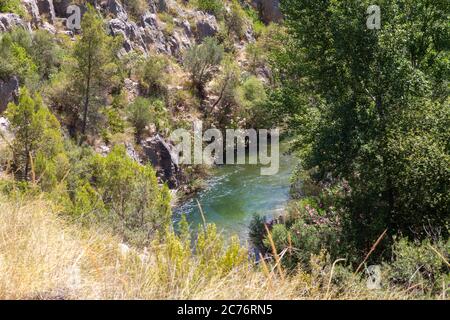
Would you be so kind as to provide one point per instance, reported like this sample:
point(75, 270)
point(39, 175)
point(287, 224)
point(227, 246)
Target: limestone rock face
point(269, 10)
point(10, 20)
point(207, 25)
point(9, 91)
point(162, 157)
point(47, 10)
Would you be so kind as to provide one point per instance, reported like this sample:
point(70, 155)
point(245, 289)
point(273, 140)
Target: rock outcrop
point(165, 161)
point(269, 10)
point(47, 10)
point(9, 21)
point(9, 91)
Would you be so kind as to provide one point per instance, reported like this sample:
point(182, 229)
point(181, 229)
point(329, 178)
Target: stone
point(206, 25)
point(33, 11)
point(9, 92)
point(269, 10)
point(61, 6)
point(9, 21)
point(47, 10)
point(163, 158)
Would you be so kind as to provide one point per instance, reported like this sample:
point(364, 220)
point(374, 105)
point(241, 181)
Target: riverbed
point(235, 192)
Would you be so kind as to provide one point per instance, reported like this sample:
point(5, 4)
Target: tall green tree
point(96, 68)
point(371, 107)
point(38, 148)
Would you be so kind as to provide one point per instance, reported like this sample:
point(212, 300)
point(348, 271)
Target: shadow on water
point(236, 192)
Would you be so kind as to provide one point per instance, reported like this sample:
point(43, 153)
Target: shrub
point(417, 264)
point(200, 61)
point(153, 77)
point(38, 148)
point(136, 8)
point(214, 7)
point(119, 193)
point(13, 6)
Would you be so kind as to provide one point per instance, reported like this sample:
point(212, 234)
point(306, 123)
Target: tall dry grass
point(44, 257)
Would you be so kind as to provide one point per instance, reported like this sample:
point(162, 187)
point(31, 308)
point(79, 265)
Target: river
point(235, 192)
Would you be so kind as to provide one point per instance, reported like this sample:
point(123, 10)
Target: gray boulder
point(9, 92)
point(165, 161)
point(269, 10)
point(9, 21)
point(61, 6)
point(33, 11)
point(46, 9)
point(206, 25)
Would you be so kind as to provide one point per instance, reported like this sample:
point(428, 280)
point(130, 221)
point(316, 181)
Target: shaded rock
point(116, 8)
point(269, 10)
point(165, 161)
point(9, 21)
point(33, 11)
point(46, 9)
point(206, 25)
point(9, 92)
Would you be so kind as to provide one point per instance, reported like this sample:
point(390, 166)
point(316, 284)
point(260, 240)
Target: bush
point(136, 8)
point(251, 97)
point(200, 61)
point(13, 6)
point(417, 264)
point(214, 7)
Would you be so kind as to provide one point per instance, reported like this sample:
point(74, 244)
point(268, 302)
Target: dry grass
point(44, 257)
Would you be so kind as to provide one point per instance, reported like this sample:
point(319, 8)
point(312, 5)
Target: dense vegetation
point(368, 111)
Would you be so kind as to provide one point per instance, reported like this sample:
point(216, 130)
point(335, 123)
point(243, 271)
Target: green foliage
point(119, 193)
point(15, 60)
point(136, 8)
point(38, 149)
point(201, 60)
point(370, 110)
point(214, 7)
point(236, 20)
point(257, 232)
point(153, 76)
point(142, 112)
point(96, 68)
point(251, 96)
point(13, 6)
point(417, 264)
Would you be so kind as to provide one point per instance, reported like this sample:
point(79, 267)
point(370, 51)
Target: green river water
point(236, 192)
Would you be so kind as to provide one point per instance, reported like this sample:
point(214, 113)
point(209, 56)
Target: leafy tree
point(370, 108)
point(95, 66)
point(38, 149)
point(153, 76)
point(137, 205)
point(201, 61)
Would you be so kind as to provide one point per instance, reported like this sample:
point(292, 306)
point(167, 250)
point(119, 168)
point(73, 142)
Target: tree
point(369, 108)
point(201, 60)
point(95, 65)
point(38, 148)
point(137, 205)
point(140, 115)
